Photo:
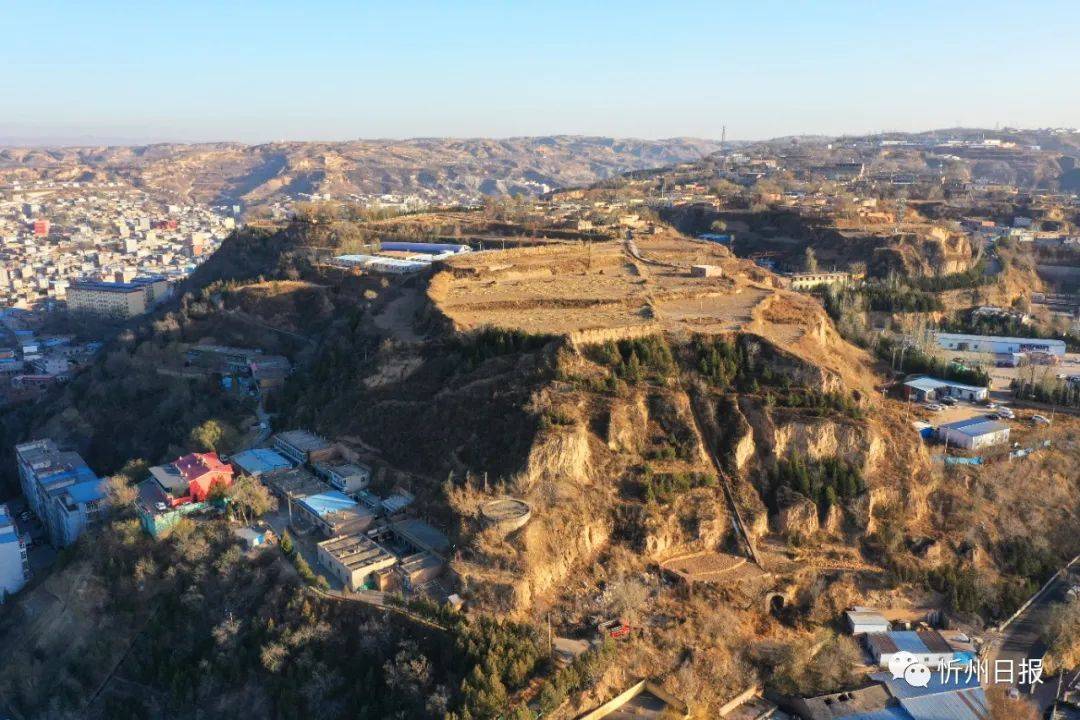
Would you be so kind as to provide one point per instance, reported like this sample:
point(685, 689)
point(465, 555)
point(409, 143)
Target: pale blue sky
point(258, 71)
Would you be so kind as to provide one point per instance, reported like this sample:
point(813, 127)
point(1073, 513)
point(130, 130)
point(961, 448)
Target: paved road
point(1022, 639)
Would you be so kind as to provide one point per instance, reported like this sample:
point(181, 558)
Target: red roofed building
point(202, 471)
point(179, 488)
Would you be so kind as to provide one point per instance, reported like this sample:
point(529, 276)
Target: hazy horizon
point(111, 73)
point(91, 141)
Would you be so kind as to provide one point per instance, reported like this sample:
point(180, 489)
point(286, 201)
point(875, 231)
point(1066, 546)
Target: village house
point(180, 488)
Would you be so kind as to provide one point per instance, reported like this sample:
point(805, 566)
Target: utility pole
point(551, 640)
point(723, 146)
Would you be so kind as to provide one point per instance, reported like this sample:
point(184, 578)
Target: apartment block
point(117, 300)
point(61, 489)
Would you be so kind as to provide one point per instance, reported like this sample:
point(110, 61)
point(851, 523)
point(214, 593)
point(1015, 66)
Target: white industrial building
point(862, 620)
point(378, 264)
point(927, 389)
point(974, 433)
point(928, 647)
point(999, 345)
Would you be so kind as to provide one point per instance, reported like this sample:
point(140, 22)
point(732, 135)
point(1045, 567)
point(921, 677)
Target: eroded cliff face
point(751, 437)
point(587, 468)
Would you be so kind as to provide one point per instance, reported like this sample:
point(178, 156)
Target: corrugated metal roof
point(886, 713)
point(328, 502)
point(930, 383)
point(974, 426)
point(954, 705)
point(902, 690)
point(910, 641)
point(259, 460)
point(925, 383)
point(933, 641)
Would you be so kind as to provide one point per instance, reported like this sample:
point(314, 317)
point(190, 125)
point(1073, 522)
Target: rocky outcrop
point(798, 515)
point(861, 509)
point(777, 432)
point(555, 551)
point(628, 420)
point(817, 438)
point(696, 521)
point(560, 454)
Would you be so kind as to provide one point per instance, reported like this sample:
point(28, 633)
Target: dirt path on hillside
point(398, 315)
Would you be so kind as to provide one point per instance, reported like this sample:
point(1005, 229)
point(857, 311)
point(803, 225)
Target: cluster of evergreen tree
point(1023, 569)
point(893, 294)
point(504, 657)
point(739, 366)
point(490, 342)
point(663, 487)
point(817, 401)
point(639, 359)
point(584, 671)
point(971, 278)
point(735, 365)
point(719, 360)
point(960, 586)
point(896, 297)
point(1019, 556)
point(825, 481)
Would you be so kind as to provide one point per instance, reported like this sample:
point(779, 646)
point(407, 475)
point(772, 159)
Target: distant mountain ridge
point(435, 169)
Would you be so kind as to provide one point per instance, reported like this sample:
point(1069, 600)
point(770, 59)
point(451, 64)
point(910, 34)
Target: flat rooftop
point(421, 534)
point(294, 481)
point(101, 286)
point(962, 337)
point(356, 551)
point(258, 461)
point(302, 440)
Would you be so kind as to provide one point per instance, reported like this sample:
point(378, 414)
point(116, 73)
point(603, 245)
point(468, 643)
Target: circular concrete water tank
point(506, 514)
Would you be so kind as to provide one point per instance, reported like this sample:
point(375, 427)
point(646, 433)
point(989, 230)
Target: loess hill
point(632, 406)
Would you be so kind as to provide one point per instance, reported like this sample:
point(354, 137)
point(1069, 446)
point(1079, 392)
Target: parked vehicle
point(1040, 420)
point(934, 407)
point(614, 629)
point(950, 401)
